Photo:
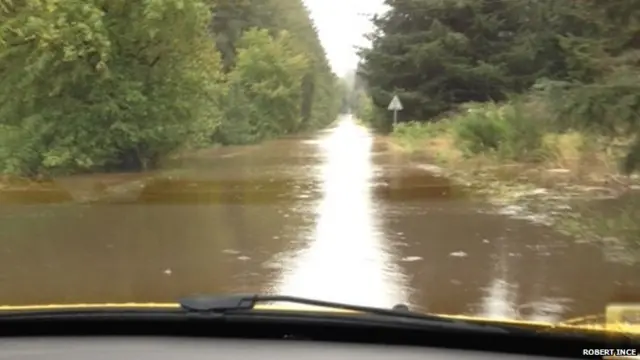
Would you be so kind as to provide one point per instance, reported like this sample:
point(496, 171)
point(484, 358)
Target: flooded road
point(333, 216)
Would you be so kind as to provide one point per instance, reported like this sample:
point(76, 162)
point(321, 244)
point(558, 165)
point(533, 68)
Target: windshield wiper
point(223, 303)
point(399, 314)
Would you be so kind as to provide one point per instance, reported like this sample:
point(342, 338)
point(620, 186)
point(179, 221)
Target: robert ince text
point(610, 352)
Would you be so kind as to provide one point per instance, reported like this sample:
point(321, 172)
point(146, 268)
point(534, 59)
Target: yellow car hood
point(602, 327)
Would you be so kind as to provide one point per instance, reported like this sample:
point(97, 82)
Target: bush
point(417, 130)
point(480, 129)
point(524, 133)
point(511, 131)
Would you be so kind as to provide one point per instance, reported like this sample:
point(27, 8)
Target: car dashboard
point(170, 348)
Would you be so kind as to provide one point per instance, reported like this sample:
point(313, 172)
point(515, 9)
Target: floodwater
point(333, 216)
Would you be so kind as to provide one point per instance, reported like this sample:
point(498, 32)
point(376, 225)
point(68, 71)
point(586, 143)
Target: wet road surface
point(334, 216)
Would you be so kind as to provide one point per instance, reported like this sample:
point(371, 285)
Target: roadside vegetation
point(510, 94)
point(114, 85)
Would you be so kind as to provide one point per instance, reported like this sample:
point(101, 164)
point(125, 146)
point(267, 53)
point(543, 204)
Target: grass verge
point(570, 179)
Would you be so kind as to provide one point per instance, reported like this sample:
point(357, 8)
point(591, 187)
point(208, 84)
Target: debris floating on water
point(458, 254)
point(411, 258)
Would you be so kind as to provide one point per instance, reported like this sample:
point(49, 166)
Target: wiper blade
point(225, 303)
point(400, 313)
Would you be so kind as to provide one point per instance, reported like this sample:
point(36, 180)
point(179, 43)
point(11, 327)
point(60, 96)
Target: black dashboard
point(161, 334)
point(171, 348)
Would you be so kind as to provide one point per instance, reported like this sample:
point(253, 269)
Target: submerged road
point(333, 216)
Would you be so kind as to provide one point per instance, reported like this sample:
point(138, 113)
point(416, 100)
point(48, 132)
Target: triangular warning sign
point(395, 104)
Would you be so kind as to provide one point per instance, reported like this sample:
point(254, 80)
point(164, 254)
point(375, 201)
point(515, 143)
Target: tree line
point(578, 61)
point(111, 85)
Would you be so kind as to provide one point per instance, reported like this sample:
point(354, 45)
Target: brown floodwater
point(333, 216)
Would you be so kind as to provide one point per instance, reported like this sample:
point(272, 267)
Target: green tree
point(105, 83)
point(118, 85)
point(264, 88)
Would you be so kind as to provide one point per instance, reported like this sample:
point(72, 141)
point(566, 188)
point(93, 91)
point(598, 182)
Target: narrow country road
point(334, 216)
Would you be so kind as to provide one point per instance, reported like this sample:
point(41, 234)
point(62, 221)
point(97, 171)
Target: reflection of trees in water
point(413, 185)
point(29, 192)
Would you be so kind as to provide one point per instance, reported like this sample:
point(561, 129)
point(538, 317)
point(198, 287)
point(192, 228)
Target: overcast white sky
point(341, 27)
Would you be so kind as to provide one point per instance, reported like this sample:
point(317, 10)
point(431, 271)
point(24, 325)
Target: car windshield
point(463, 157)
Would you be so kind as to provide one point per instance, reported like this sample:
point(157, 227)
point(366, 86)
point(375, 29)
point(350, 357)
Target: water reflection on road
point(333, 215)
point(347, 258)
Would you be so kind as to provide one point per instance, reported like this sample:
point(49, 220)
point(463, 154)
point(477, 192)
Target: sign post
point(395, 105)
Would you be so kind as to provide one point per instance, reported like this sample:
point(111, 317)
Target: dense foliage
point(579, 59)
point(98, 85)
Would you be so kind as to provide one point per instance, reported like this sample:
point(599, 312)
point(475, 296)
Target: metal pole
point(395, 117)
